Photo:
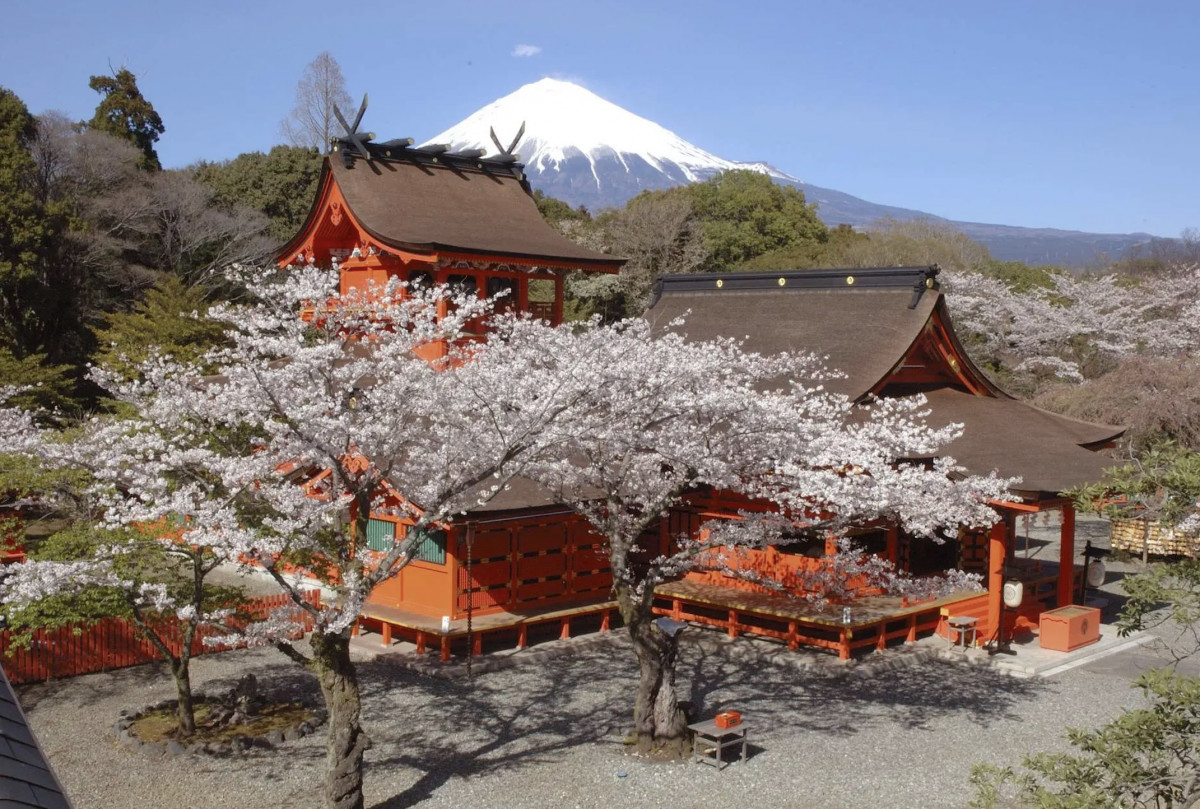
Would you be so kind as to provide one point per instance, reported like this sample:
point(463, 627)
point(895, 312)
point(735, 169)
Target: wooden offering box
point(728, 719)
point(1069, 627)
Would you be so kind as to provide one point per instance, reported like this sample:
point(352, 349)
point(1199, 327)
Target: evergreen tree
point(744, 214)
point(280, 184)
point(171, 318)
point(124, 112)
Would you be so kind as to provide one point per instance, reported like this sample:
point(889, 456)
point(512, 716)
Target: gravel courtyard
point(898, 729)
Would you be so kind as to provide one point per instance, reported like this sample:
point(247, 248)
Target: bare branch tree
point(321, 88)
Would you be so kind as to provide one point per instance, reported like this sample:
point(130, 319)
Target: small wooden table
point(962, 629)
point(710, 742)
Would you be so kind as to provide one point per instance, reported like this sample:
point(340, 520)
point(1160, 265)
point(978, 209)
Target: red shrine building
point(387, 211)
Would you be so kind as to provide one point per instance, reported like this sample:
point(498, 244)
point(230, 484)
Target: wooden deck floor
point(874, 620)
point(424, 630)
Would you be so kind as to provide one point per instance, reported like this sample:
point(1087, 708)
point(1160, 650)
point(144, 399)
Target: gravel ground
point(897, 729)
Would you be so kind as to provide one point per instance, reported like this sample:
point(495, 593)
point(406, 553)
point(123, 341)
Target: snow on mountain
point(566, 124)
point(585, 150)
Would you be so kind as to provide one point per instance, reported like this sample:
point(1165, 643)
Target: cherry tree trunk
point(660, 724)
point(347, 742)
point(185, 709)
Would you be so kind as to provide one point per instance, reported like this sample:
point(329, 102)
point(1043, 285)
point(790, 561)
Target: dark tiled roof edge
point(26, 777)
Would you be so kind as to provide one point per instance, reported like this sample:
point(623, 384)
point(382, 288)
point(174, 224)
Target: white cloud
point(526, 50)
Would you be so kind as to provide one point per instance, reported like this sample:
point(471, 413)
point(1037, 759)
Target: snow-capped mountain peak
point(566, 124)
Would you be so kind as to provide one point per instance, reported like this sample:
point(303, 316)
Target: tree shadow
point(531, 714)
point(494, 723)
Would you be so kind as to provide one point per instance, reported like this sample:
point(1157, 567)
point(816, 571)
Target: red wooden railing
point(114, 643)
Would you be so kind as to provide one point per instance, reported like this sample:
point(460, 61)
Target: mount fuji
point(588, 151)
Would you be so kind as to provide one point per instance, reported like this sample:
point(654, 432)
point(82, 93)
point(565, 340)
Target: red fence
point(114, 643)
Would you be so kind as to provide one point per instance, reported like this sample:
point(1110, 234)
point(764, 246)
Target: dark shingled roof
point(420, 205)
point(26, 779)
point(862, 330)
point(1045, 450)
point(865, 329)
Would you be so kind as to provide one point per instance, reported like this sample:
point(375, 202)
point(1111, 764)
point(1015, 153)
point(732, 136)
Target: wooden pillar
point(732, 625)
point(793, 635)
point(387, 634)
point(523, 294)
point(564, 631)
point(911, 637)
point(997, 554)
point(522, 636)
point(477, 644)
point(604, 620)
point(1066, 556)
point(445, 649)
point(844, 644)
point(831, 544)
point(893, 544)
point(557, 317)
point(420, 642)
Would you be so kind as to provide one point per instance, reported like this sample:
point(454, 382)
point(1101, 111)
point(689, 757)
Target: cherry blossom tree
point(306, 423)
point(674, 416)
point(1078, 326)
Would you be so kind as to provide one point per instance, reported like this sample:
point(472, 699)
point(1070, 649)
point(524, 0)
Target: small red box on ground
point(1069, 627)
point(728, 719)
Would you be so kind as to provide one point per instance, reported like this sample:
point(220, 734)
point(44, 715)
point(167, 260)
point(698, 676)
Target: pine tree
point(124, 112)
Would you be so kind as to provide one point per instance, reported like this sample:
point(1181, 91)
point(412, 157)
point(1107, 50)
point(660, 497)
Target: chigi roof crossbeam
point(355, 145)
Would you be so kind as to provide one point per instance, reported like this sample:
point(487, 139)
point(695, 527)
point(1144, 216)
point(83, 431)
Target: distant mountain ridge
point(585, 150)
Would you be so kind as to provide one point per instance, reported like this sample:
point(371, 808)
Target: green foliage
point(1165, 595)
point(1148, 757)
point(28, 230)
point(809, 254)
point(1162, 484)
point(23, 230)
point(124, 112)
point(1017, 275)
point(139, 556)
point(556, 212)
point(81, 608)
point(45, 387)
point(281, 184)
point(744, 214)
point(170, 319)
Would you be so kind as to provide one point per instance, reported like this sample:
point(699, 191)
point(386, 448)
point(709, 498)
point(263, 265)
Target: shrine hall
point(523, 563)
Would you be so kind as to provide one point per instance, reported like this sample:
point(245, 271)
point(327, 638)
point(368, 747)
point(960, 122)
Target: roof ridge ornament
point(354, 139)
point(509, 151)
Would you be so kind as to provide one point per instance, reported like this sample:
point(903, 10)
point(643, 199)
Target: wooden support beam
point(565, 631)
point(604, 621)
point(522, 636)
point(445, 649)
point(676, 609)
point(355, 629)
point(420, 642)
point(733, 624)
point(911, 637)
point(387, 633)
point(1066, 556)
point(997, 553)
point(793, 638)
point(477, 644)
point(844, 644)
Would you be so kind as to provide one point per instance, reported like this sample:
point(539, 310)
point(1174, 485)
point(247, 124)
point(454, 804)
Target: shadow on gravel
point(913, 694)
point(533, 713)
point(101, 686)
point(502, 721)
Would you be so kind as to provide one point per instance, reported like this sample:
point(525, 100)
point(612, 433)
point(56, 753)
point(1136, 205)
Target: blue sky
point(1080, 115)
